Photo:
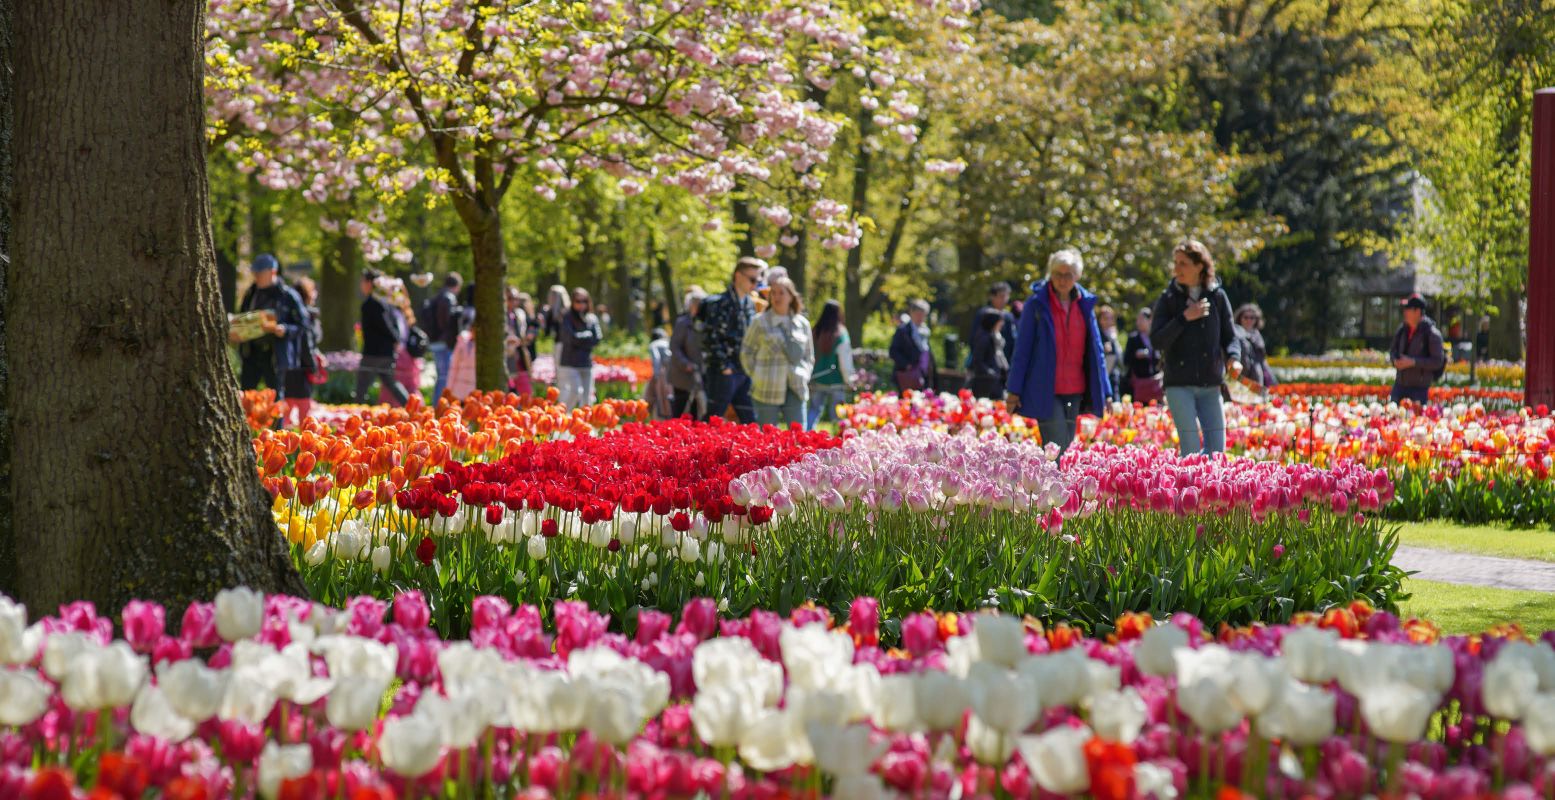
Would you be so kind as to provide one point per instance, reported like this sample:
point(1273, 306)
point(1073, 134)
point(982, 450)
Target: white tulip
point(1397, 712)
point(720, 714)
point(1000, 639)
point(940, 699)
point(410, 745)
point(1510, 684)
point(1539, 724)
point(248, 698)
point(1063, 678)
point(239, 613)
point(317, 554)
point(859, 786)
point(649, 687)
point(1118, 715)
point(1302, 715)
point(988, 744)
point(193, 689)
point(1154, 653)
point(815, 657)
point(1057, 759)
point(1152, 780)
point(18, 642)
point(1002, 699)
point(153, 714)
point(734, 661)
point(103, 677)
point(844, 750)
point(353, 705)
point(460, 720)
point(1309, 653)
point(690, 550)
point(23, 697)
point(382, 559)
point(896, 707)
point(278, 764)
point(774, 741)
point(537, 548)
point(60, 651)
point(1255, 682)
point(353, 658)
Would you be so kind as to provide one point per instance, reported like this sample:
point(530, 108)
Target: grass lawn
point(1472, 609)
point(1486, 540)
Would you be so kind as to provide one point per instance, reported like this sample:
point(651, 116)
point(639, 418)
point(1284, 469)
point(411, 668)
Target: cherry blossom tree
point(475, 97)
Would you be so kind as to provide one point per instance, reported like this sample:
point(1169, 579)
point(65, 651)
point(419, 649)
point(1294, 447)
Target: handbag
point(416, 342)
point(319, 375)
point(910, 378)
point(1148, 390)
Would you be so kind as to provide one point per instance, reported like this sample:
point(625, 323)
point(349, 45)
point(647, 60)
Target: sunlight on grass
point(1472, 609)
point(1487, 540)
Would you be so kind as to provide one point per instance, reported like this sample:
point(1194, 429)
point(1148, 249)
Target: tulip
point(18, 643)
point(1397, 712)
point(1539, 724)
point(721, 713)
point(1302, 715)
point(1057, 759)
point(278, 764)
point(537, 547)
point(1000, 639)
point(1309, 653)
point(239, 613)
point(154, 714)
point(1002, 699)
point(192, 689)
point(1118, 716)
point(23, 697)
point(1154, 654)
point(103, 677)
point(410, 746)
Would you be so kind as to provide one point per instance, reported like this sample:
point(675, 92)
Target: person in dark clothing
point(280, 350)
point(911, 355)
point(380, 343)
point(579, 335)
point(1416, 353)
point(989, 367)
point(299, 390)
point(999, 303)
point(443, 320)
point(1255, 356)
point(1143, 375)
point(685, 367)
point(1191, 324)
point(723, 319)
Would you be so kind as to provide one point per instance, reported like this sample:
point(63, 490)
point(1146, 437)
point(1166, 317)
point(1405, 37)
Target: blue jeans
point(824, 399)
point(1059, 427)
point(1196, 412)
point(791, 411)
point(443, 357)
point(724, 390)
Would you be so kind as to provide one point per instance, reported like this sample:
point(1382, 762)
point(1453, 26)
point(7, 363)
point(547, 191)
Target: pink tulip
point(411, 611)
point(198, 628)
point(144, 624)
point(699, 618)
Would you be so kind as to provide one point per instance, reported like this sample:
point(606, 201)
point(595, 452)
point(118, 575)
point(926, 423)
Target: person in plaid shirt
point(781, 356)
point(723, 319)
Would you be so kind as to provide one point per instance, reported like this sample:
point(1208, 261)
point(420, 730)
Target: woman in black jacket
point(1143, 362)
point(990, 367)
point(1191, 325)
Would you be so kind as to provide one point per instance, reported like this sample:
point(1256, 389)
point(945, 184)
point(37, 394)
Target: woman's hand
point(1196, 311)
point(1012, 402)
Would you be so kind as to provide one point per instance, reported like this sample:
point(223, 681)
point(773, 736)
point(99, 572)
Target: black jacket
point(1425, 347)
point(1193, 353)
point(905, 352)
point(380, 334)
point(1138, 366)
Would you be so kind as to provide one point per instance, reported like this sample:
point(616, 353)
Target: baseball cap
point(1413, 301)
point(264, 262)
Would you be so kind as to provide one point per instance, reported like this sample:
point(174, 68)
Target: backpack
point(427, 316)
point(416, 342)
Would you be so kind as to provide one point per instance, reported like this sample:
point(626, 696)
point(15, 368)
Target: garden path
point(1489, 571)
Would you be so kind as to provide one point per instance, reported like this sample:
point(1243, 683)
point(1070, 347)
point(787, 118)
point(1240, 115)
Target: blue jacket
point(295, 349)
point(1036, 357)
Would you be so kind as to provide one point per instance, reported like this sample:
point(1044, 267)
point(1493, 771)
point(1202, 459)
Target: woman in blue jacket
point(1058, 371)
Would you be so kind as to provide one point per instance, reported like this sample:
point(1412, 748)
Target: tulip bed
point(298, 700)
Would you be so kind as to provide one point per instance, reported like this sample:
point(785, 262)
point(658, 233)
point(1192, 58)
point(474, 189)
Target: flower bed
point(302, 701)
point(651, 515)
point(1372, 366)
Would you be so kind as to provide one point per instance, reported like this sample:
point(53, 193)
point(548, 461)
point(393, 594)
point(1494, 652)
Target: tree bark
point(7, 84)
point(339, 292)
point(739, 208)
point(140, 478)
point(853, 311)
point(491, 270)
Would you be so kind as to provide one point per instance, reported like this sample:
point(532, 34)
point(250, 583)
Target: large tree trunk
point(739, 208)
point(7, 83)
point(1506, 327)
point(853, 311)
point(491, 270)
point(140, 480)
point(339, 292)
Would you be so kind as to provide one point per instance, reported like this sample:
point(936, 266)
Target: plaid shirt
point(779, 355)
point(723, 319)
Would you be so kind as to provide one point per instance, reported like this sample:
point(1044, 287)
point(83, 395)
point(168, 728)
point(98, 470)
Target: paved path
point(1491, 571)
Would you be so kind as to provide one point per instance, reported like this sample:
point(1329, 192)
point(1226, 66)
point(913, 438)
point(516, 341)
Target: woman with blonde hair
point(779, 354)
point(1191, 326)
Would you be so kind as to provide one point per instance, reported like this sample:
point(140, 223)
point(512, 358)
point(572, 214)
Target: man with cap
point(283, 347)
point(1416, 353)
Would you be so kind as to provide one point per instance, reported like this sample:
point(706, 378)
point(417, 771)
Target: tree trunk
point(853, 310)
point(339, 292)
point(491, 270)
point(739, 208)
point(1506, 327)
point(140, 478)
point(261, 222)
point(7, 82)
point(621, 294)
point(667, 277)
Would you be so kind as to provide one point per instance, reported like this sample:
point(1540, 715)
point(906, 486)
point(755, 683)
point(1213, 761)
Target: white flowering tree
point(474, 98)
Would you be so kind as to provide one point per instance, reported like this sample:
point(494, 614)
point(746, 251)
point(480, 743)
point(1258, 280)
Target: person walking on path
point(724, 318)
point(1416, 353)
point(1111, 348)
point(1255, 356)
point(1059, 370)
point(989, 367)
point(998, 302)
point(833, 365)
point(461, 367)
point(299, 389)
point(380, 342)
point(1191, 325)
point(781, 357)
point(911, 357)
point(270, 357)
point(658, 392)
point(519, 336)
point(1143, 376)
point(407, 366)
point(685, 367)
point(442, 317)
point(579, 335)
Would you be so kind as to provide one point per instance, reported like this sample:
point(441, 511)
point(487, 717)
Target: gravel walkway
point(1489, 571)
